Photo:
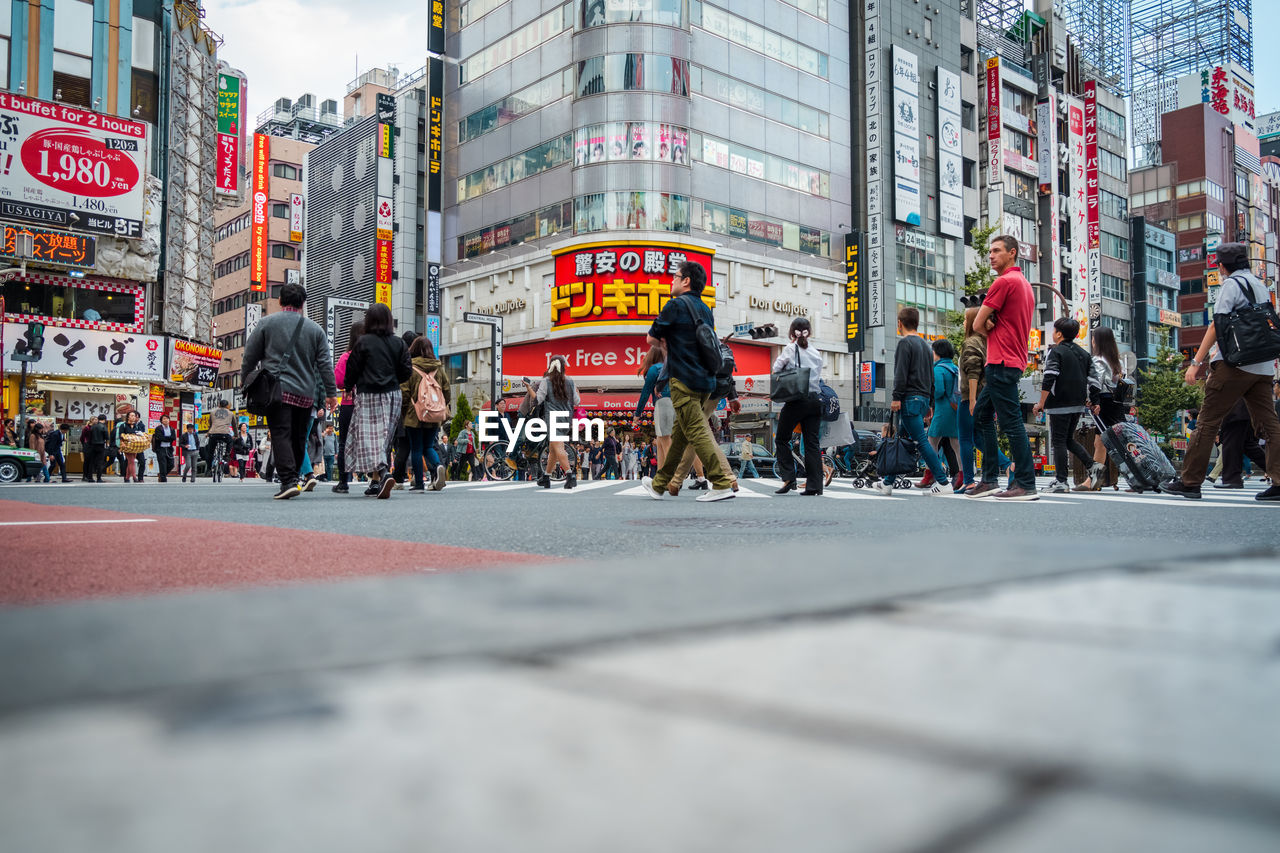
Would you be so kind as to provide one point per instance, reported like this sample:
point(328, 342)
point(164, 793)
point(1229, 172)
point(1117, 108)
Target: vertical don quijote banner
point(61, 166)
point(258, 216)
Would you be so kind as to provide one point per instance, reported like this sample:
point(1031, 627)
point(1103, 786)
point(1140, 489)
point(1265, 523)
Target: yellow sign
point(1211, 278)
point(1033, 344)
point(384, 293)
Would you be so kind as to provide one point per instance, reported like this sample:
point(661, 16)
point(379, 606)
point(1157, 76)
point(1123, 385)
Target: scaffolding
point(1172, 38)
point(1097, 29)
point(1001, 26)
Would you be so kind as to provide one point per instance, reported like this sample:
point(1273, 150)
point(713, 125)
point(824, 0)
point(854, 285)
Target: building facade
point(1156, 319)
point(590, 147)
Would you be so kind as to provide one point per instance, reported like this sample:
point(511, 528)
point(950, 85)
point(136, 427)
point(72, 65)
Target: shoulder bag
point(1249, 334)
point(790, 383)
point(262, 386)
point(897, 454)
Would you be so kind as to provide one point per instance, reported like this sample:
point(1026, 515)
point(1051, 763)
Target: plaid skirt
point(373, 424)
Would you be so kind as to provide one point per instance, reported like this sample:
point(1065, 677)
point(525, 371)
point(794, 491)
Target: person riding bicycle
point(221, 427)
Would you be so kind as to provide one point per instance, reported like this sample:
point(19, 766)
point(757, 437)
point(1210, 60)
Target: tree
point(461, 416)
point(976, 280)
point(1165, 393)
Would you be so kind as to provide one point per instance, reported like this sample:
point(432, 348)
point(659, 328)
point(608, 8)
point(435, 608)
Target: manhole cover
point(742, 523)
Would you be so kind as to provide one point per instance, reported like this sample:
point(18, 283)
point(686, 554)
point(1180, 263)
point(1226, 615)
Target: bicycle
point(531, 461)
point(216, 460)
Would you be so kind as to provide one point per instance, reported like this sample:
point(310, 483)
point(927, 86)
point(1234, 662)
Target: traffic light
point(768, 330)
point(32, 343)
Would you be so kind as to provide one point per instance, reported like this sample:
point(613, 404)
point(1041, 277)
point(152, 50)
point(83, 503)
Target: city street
point(495, 666)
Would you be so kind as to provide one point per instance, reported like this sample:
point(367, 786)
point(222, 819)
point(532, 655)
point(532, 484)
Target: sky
point(289, 47)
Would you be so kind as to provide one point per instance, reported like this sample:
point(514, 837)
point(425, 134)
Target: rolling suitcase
point(1136, 454)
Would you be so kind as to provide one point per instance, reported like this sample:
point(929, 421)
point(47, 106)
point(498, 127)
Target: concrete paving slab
point(407, 759)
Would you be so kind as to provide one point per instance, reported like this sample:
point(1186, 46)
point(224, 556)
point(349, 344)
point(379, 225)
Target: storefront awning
point(86, 387)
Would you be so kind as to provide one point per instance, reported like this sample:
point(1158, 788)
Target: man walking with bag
point(295, 349)
point(1230, 382)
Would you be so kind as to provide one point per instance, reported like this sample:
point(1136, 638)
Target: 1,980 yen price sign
point(70, 167)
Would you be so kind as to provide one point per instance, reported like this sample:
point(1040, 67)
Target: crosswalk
point(843, 490)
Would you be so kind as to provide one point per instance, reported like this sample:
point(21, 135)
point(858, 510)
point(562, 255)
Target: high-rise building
point(590, 148)
point(124, 130)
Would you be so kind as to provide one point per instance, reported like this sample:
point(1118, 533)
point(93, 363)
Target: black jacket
point(377, 365)
point(1066, 376)
point(53, 441)
point(98, 434)
point(164, 436)
point(913, 369)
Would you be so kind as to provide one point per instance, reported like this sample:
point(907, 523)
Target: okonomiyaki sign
point(622, 283)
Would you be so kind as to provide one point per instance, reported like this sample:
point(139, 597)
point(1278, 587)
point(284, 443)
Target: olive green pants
point(691, 430)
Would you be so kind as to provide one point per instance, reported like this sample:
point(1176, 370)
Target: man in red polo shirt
point(1006, 312)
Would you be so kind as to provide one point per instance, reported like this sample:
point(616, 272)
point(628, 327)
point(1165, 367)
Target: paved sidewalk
point(767, 703)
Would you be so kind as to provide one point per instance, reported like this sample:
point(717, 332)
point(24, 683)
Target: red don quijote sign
point(624, 283)
point(258, 216)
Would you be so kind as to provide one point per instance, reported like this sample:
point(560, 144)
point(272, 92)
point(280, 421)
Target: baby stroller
point(857, 459)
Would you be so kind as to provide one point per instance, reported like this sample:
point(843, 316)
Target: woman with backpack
point(425, 408)
point(379, 363)
point(1104, 380)
point(944, 428)
point(806, 412)
point(557, 393)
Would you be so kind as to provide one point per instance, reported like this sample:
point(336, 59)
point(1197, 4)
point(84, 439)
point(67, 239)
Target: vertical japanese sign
point(1077, 211)
point(1047, 145)
point(950, 161)
point(228, 179)
point(295, 217)
point(155, 406)
point(871, 44)
point(906, 136)
point(258, 216)
point(853, 291)
point(1094, 257)
point(383, 255)
point(435, 148)
point(435, 28)
point(995, 145)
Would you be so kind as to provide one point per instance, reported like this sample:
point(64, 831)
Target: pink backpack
point(429, 403)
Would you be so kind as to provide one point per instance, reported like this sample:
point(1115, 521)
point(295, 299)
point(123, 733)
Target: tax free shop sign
point(558, 426)
point(57, 159)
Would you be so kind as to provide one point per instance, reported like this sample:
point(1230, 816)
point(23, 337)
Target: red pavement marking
point(48, 563)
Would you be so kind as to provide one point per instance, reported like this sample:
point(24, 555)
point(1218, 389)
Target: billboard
point(228, 178)
point(950, 160)
point(853, 291)
point(196, 364)
point(1093, 286)
point(624, 283)
point(435, 134)
point(258, 218)
point(382, 277)
point(906, 136)
point(995, 148)
point(1077, 209)
point(52, 247)
point(1228, 89)
point(295, 217)
point(67, 167)
point(92, 353)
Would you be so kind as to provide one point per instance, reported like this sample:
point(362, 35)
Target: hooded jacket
point(410, 387)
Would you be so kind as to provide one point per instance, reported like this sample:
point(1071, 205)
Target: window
point(665, 12)
point(631, 72)
point(528, 226)
point(927, 280)
point(752, 36)
point(538, 159)
point(1020, 143)
point(518, 43)
point(284, 170)
point(1110, 121)
point(1114, 205)
point(1114, 287)
point(1019, 186)
point(6, 28)
point(73, 52)
point(1192, 222)
point(1113, 165)
point(628, 210)
point(1119, 325)
point(1157, 338)
point(1215, 223)
point(1115, 247)
point(280, 250)
point(631, 140)
point(1152, 197)
point(759, 228)
point(762, 166)
point(1020, 102)
point(1159, 259)
point(546, 91)
point(735, 93)
point(1193, 319)
point(275, 291)
point(1191, 285)
point(279, 210)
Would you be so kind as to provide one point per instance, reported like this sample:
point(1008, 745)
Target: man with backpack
point(725, 389)
point(1062, 397)
point(687, 326)
point(1229, 382)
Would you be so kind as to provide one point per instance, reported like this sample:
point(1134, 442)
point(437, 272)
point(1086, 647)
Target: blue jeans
point(330, 462)
point(748, 465)
point(422, 439)
point(966, 442)
point(307, 468)
point(911, 417)
point(999, 399)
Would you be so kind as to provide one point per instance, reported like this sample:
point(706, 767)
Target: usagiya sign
point(620, 283)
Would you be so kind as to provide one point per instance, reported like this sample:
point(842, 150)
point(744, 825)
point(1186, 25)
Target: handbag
point(1249, 334)
point(791, 383)
point(262, 386)
point(897, 454)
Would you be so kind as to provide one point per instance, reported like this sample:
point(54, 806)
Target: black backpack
point(707, 345)
point(724, 379)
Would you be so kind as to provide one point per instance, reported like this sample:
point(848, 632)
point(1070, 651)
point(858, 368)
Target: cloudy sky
point(288, 47)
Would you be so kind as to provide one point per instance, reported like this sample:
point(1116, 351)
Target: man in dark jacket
point(163, 440)
point(300, 371)
point(96, 450)
point(53, 444)
point(1062, 396)
point(913, 397)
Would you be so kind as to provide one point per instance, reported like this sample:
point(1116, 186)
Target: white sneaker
point(1057, 487)
point(883, 488)
point(647, 485)
point(940, 489)
point(716, 495)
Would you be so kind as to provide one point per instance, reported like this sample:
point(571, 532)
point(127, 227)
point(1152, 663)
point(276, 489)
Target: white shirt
point(1230, 298)
point(793, 355)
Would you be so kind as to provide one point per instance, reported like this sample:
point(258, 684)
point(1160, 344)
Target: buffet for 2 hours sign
point(58, 161)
